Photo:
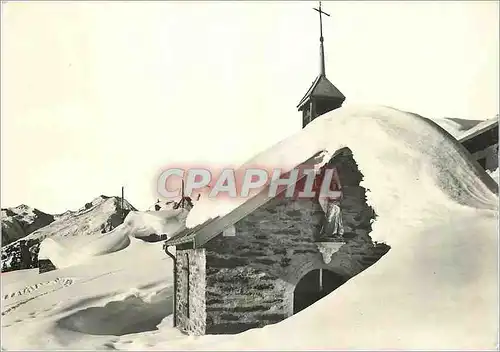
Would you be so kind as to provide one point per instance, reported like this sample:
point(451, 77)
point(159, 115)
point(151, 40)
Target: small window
point(229, 232)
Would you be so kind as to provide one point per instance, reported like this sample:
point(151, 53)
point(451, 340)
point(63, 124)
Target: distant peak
point(102, 197)
point(99, 199)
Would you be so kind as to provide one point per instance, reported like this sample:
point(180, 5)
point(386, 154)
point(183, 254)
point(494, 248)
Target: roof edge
point(465, 137)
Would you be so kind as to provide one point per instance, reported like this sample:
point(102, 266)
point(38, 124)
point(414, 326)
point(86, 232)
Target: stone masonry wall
point(190, 305)
point(247, 273)
point(251, 277)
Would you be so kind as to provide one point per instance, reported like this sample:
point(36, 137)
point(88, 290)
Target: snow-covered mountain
point(99, 216)
point(20, 221)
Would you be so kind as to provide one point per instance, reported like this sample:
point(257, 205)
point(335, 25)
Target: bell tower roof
point(321, 88)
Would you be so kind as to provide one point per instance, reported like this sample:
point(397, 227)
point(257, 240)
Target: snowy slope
point(148, 225)
point(98, 216)
point(101, 296)
point(436, 289)
point(17, 222)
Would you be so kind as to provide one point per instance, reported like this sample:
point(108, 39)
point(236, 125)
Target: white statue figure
point(333, 226)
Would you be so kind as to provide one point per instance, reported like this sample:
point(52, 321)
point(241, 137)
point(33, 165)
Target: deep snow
point(137, 224)
point(436, 289)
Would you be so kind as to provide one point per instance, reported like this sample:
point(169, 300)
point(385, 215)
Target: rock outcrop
point(20, 221)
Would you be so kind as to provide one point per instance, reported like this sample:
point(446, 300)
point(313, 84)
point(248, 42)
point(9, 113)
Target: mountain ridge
point(101, 215)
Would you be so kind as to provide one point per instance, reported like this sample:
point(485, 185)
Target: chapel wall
point(190, 291)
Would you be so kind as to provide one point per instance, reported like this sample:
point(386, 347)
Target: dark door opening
point(315, 285)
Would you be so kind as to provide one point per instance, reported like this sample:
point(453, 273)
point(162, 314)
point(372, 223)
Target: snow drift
point(436, 289)
point(137, 224)
point(167, 222)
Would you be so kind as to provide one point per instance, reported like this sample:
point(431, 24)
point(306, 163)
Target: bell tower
point(322, 96)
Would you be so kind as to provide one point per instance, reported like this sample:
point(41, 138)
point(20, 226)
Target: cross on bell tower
point(322, 96)
point(321, 48)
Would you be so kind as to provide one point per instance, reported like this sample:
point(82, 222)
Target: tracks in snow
point(29, 289)
point(59, 282)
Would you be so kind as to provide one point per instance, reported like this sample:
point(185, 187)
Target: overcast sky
point(97, 95)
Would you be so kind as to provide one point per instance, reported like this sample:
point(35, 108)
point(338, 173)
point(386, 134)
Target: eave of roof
point(308, 93)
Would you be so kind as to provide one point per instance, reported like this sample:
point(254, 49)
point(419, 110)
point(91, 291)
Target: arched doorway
point(313, 286)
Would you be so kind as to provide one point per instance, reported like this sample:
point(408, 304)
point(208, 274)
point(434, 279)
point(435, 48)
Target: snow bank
point(74, 308)
point(63, 256)
point(435, 289)
point(145, 223)
point(64, 253)
point(402, 156)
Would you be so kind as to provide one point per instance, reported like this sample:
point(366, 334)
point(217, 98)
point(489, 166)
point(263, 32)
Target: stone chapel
point(282, 254)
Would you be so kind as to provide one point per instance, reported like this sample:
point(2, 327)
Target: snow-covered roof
point(455, 126)
point(322, 88)
point(400, 155)
point(478, 129)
